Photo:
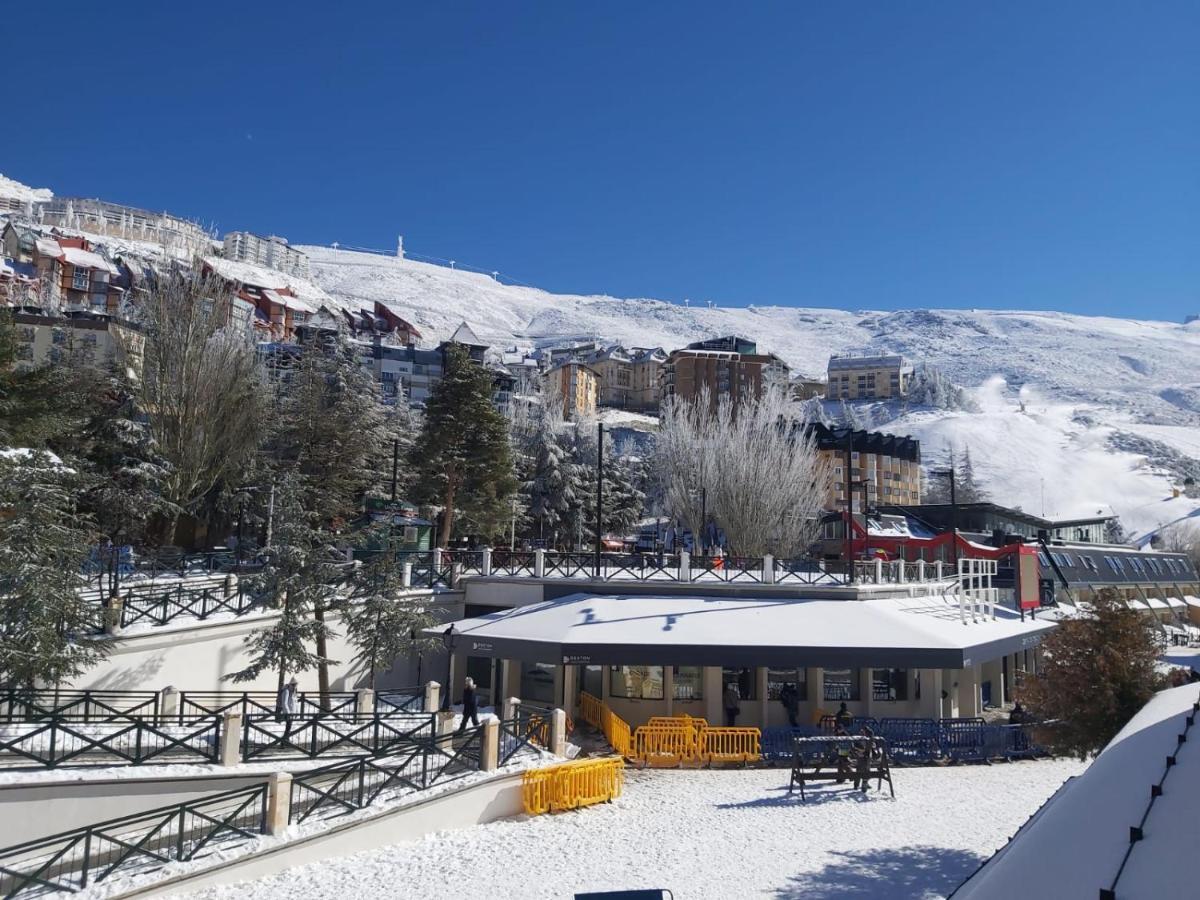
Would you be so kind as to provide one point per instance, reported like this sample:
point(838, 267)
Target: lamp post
point(599, 494)
point(949, 473)
point(448, 643)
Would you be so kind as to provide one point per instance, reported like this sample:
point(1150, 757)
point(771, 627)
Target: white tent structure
point(1125, 829)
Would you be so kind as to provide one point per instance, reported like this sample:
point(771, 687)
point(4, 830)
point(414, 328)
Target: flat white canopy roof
point(922, 632)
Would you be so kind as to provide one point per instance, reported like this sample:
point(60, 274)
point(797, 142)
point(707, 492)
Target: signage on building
point(485, 646)
point(576, 660)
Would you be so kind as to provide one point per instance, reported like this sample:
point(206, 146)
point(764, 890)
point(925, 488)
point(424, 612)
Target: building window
point(687, 682)
point(889, 684)
point(778, 679)
point(743, 679)
point(79, 279)
point(537, 682)
point(841, 684)
point(636, 682)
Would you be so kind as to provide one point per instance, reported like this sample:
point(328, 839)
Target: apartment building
point(889, 465)
point(868, 377)
point(272, 251)
point(614, 370)
point(646, 378)
point(729, 366)
point(576, 386)
point(117, 220)
point(94, 340)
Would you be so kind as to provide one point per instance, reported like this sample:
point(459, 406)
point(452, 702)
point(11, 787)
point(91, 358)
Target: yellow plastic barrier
point(572, 785)
point(683, 721)
point(665, 745)
point(616, 730)
point(589, 709)
point(725, 745)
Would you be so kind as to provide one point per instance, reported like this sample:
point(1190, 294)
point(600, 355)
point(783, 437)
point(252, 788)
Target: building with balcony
point(114, 219)
point(575, 386)
point(90, 339)
point(868, 377)
point(723, 367)
point(886, 467)
point(273, 251)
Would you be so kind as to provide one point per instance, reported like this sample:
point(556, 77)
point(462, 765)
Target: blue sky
point(865, 155)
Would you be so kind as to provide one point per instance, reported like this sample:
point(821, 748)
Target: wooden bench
point(839, 758)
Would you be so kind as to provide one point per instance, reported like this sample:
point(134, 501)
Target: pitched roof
point(463, 334)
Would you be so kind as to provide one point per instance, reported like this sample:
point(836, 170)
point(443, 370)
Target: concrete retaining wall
point(32, 811)
point(496, 798)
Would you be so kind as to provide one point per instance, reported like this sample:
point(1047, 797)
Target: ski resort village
point(864, 564)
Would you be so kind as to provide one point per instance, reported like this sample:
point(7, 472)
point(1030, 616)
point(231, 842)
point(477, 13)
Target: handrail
point(71, 860)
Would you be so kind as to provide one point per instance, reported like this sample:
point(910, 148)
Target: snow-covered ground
point(710, 834)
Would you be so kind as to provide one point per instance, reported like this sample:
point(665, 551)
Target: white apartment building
point(273, 251)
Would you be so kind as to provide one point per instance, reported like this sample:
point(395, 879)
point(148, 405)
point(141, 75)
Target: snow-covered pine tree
point(300, 567)
point(550, 489)
point(381, 624)
point(967, 487)
point(46, 625)
point(462, 460)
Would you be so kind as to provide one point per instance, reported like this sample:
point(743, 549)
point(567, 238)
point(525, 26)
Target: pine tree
point(38, 406)
point(381, 624)
point(549, 489)
point(299, 569)
point(1097, 671)
point(46, 625)
point(967, 487)
point(462, 461)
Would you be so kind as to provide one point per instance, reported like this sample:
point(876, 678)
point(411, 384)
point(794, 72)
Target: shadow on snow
point(897, 873)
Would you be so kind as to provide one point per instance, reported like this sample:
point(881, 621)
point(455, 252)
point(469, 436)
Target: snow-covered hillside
point(1090, 385)
point(14, 190)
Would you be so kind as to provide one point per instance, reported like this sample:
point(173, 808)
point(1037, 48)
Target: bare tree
point(1182, 537)
point(201, 387)
point(755, 468)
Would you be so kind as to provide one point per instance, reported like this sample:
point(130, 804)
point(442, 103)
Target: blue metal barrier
point(776, 743)
point(911, 740)
point(962, 739)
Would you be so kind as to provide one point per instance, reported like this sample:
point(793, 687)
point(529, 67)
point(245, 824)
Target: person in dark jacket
point(843, 719)
point(470, 706)
point(790, 698)
point(1017, 716)
point(732, 699)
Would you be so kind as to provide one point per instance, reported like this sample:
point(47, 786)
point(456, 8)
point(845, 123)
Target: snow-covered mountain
point(1111, 407)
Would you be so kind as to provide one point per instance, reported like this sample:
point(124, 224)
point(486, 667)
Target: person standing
point(733, 704)
point(843, 717)
point(470, 706)
point(790, 698)
point(288, 705)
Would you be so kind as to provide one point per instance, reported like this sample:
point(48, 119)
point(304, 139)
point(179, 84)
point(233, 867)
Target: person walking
point(470, 706)
point(288, 705)
point(790, 698)
point(733, 704)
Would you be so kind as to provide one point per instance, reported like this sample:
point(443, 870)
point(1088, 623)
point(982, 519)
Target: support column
point(539, 563)
point(231, 740)
point(508, 708)
point(168, 702)
point(865, 687)
point(558, 733)
point(768, 573)
point(761, 675)
point(993, 671)
point(669, 689)
point(685, 567)
point(489, 754)
point(816, 692)
point(968, 691)
point(406, 575)
point(433, 696)
point(570, 689)
point(950, 684)
point(112, 614)
point(712, 696)
point(365, 702)
point(930, 706)
point(445, 722)
point(485, 564)
point(279, 801)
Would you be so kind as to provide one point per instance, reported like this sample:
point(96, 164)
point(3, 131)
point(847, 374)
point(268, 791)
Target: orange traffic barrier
point(589, 709)
point(572, 785)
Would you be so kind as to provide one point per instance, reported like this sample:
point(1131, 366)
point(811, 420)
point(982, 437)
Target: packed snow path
point(718, 834)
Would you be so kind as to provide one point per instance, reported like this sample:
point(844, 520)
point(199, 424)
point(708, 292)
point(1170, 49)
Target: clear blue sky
point(860, 155)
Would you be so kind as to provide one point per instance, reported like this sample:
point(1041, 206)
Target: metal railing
point(401, 700)
point(73, 860)
point(529, 728)
point(75, 705)
point(357, 783)
point(510, 562)
point(321, 736)
point(160, 606)
point(257, 705)
point(119, 739)
point(152, 566)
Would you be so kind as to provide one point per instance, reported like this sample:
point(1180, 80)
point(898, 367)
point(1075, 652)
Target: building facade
point(646, 377)
point(272, 251)
point(886, 467)
point(96, 341)
point(728, 366)
point(868, 377)
point(576, 386)
point(614, 371)
point(116, 220)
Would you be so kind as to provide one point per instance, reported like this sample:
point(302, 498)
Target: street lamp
point(448, 643)
point(949, 473)
point(599, 494)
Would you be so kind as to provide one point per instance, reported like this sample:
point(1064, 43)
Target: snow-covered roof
point(49, 247)
point(293, 303)
point(85, 259)
point(765, 630)
point(464, 334)
point(1075, 844)
point(268, 279)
